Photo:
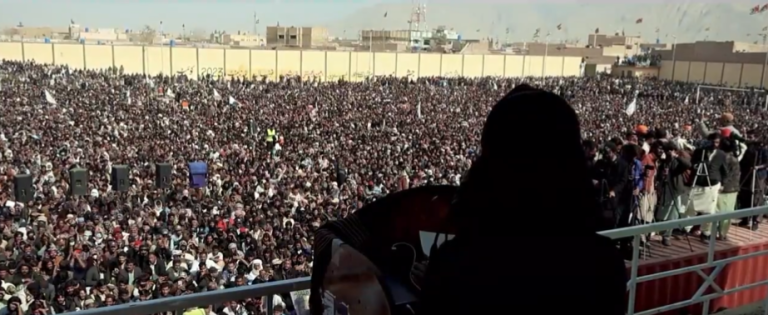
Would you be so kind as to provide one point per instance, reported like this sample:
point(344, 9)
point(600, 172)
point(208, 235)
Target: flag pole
point(546, 52)
point(674, 50)
point(162, 51)
point(370, 51)
point(764, 34)
point(762, 76)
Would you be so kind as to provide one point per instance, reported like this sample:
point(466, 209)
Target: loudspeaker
point(78, 181)
point(119, 179)
point(23, 189)
point(163, 177)
point(198, 174)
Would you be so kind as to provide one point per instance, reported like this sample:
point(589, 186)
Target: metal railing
point(267, 290)
point(637, 232)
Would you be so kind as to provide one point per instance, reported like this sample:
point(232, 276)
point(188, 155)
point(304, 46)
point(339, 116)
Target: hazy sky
point(686, 19)
point(231, 15)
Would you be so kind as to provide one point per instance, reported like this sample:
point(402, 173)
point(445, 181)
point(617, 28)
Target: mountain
point(684, 19)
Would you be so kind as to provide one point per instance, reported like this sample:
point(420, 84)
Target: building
point(420, 40)
point(23, 32)
point(616, 45)
point(243, 39)
point(710, 51)
point(291, 36)
point(708, 62)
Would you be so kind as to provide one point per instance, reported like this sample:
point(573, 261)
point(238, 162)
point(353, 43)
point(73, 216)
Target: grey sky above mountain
point(687, 20)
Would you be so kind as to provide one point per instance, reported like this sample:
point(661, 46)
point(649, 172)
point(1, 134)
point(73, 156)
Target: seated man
point(526, 220)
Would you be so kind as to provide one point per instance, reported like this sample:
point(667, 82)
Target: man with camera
point(671, 184)
point(753, 175)
point(620, 173)
point(709, 170)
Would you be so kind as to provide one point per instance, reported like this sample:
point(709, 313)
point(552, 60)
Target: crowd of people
point(283, 158)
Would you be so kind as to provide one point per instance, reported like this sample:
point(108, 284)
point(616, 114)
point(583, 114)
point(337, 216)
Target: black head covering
point(531, 168)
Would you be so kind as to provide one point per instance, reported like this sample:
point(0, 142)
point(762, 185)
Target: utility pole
point(255, 24)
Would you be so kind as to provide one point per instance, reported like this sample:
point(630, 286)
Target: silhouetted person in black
point(526, 218)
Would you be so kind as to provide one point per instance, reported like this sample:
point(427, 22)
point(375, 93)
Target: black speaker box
point(23, 189)
point(78, 181)
point(119, 178)
point(163, 176)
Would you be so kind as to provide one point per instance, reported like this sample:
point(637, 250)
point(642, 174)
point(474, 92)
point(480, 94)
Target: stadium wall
point(745, 75)
point(325, 65)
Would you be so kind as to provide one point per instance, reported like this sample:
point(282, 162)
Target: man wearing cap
point(727, 130)
point(671, 185)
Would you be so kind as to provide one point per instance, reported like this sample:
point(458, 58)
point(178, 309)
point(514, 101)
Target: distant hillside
point(684, 19)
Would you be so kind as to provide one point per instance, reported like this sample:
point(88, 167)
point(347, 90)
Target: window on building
point(293, 37)
point(426, 42)
point(280, 36)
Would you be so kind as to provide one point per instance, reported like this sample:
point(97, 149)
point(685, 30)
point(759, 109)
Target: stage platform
point(657, 258)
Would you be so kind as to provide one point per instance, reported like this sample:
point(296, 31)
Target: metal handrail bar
point(637, 231)
point(688, 269)
point(178, 303)
point(674, 224)
point(703, 299)
point(182, 302)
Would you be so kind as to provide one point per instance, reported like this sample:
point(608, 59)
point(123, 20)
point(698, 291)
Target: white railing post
point(633, 275)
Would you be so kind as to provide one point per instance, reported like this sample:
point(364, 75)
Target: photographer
point(753, 176)
point(726, 200)
point(709, 170)
point(608, 178)
point(671, 183)
point(622, 176)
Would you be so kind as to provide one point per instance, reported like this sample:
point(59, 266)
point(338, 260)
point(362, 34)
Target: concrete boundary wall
point(324, 65)
point(745, 75)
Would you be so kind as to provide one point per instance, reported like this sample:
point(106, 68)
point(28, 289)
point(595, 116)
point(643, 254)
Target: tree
point(440, 35)
point(198, 35)
point(147, 35)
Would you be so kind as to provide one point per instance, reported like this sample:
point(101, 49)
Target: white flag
point(418, 109)
point(216, 95)
point(686, 100)
point(49, 98)
point(170, 94)
point(233, 101)
point(632, 107)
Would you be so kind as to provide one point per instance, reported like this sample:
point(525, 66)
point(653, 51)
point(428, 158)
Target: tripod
point(635, 215)
point(757, 165)
point(701, 170)
point(635, 219)
point(674, 205)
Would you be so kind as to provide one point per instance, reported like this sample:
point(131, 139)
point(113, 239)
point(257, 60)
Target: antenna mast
point(417, 24)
